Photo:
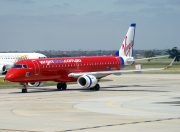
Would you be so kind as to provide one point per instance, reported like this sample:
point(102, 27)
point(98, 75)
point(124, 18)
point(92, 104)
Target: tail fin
point(126, 49)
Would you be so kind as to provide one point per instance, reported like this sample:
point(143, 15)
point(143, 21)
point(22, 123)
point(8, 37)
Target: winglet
point(170, 63)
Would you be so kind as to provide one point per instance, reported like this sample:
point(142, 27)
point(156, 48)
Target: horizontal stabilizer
point(150, 58)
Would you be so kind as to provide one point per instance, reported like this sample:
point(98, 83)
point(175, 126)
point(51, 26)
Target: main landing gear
point(62, 86)
point(24, 90)
point(96, 87)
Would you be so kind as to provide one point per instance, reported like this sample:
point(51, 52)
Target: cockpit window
point(19, 66)
point(24, 66)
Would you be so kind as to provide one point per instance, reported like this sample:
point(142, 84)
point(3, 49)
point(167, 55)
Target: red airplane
point(85, 70)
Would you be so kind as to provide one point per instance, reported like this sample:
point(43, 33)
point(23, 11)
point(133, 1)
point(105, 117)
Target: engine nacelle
point(87, 81)
point(3, 69)
point(35, 84)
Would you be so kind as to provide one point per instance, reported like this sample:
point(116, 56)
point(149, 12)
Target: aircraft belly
point(66, 79)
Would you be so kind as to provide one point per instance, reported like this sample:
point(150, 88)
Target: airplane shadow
point(114, 88)
point(42, 90)
point(171, 103)
point(119, 88)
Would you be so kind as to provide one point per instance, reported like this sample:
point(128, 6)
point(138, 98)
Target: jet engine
point(3, 69)
point(87, 81)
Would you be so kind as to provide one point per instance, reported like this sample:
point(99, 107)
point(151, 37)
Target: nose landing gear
point(24, 89)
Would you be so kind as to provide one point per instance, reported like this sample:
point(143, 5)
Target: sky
point(65, 25)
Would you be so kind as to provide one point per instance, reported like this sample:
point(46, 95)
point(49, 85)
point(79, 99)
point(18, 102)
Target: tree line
point(174, 52)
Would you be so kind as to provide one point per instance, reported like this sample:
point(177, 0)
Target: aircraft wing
point(100, 74)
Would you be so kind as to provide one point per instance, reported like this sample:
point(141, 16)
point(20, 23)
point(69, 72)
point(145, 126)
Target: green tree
point(174, 52)
point(148, 53)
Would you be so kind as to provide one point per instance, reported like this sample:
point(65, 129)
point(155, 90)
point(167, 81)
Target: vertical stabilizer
point(126, 49)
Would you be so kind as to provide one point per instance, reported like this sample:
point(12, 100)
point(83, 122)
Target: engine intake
point(3, 69)
point(87, 81)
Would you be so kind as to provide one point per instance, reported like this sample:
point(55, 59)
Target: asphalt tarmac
point(137, 102)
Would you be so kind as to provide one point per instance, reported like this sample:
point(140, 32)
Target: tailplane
point(126, 49)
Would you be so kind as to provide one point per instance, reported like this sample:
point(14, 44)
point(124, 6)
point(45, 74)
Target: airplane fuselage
point(57, 69)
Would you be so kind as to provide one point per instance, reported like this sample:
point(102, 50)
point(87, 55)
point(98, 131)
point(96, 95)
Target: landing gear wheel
point(59, 86)
point(24, 90)
point(97, 87)
point(64, 86)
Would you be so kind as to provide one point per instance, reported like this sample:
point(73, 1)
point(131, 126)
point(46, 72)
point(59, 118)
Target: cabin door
point(77, 64)
point(36, 67)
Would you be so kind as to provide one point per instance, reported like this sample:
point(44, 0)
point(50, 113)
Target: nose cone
point(11, 76)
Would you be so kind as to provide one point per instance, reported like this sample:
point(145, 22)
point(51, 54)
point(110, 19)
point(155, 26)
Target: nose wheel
point(24, 90)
